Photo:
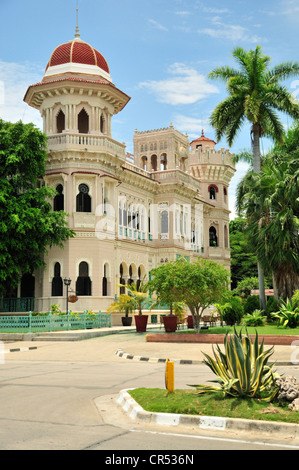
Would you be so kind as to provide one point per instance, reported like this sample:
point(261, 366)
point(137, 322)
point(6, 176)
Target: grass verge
point(211, 404)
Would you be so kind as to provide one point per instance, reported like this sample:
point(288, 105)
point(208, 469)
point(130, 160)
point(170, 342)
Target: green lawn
point(262, 330)
point(211, 404)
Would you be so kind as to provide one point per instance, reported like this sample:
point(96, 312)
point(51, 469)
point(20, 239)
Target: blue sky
point(159, 53)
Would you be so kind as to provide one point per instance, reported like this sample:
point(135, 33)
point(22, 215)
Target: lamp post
point(67, 282)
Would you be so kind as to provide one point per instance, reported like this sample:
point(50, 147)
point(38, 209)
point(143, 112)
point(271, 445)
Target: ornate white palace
point(130, 213)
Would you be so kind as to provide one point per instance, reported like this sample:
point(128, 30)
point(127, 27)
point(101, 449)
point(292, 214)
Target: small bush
point(272, 306)
point(252, 303)
point(256, 318)
point(295, 298)
point(288, 315)
point(233, 311)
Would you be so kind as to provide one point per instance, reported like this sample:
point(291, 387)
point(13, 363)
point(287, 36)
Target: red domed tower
point(77, 99)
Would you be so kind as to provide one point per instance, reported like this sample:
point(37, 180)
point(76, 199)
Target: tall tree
point(27, 223)
point(256, 94)
point(243, 259)
point(271, 204)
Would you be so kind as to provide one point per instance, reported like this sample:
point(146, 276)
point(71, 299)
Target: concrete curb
point(6, 351)
point(124, 355)
point(272, 429)
point(120, 353)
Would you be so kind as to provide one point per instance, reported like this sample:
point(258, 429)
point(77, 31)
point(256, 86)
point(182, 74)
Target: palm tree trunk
point(287, 281)
point(257, 168)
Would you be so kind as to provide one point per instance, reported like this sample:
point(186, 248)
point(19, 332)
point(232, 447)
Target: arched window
point(60, 122)
point(57, 284)
point(163, 164)
point(105, 281)
point(154, 162)
point(139, 278)
point(102, 124)
point(225, 237)
point(120, 213)
point(225, 194)
point(164, 222)
point(83, 200)
point(83, 122)
point(122, 281)
point(27, 285)
point(144, 162)
point(212, 191)
point(213, 236)
point(124, 214)
point(83, 283)
point(59, 199)
point(130, 280)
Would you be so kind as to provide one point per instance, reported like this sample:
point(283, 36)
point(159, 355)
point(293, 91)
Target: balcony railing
point(85, 141)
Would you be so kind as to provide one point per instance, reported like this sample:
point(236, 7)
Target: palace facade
point(130, 213)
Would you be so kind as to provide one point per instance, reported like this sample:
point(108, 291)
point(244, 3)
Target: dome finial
point(77, 34)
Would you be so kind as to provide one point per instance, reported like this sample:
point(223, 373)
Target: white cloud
point(186, 87)
point(158, 25)
point(14, 81)
point(217, 11)
point(193, 126)
point(228, 31)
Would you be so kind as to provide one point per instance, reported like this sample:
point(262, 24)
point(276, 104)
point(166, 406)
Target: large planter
point(170, 323)
point(190, 321)
point(126, 321)
point(141, 322)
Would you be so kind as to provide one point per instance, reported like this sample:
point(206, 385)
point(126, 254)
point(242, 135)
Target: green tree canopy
point(27, 223)
point(243, 258)
point(198, 284)
point(271, 204)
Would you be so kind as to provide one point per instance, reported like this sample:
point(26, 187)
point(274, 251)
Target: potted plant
point(140, 296)
point(125, 303)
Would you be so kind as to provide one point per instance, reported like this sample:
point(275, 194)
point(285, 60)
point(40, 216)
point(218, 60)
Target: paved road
point(61, 396)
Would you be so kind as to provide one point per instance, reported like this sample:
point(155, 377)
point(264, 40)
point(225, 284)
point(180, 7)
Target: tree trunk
point(196, 320)
point(286, 281)
point(256, 129)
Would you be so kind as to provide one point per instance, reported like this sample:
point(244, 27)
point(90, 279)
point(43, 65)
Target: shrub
point(245, 286)
point(233, 311)
point(295, 298)
point(256, 318)
point(288, 315)
point(272, 306)
point(55, 309)
point(252, 303)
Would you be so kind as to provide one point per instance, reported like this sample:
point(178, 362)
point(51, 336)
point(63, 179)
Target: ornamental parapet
point(68, 141)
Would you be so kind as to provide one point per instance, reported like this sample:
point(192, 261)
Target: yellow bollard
point(169, 376)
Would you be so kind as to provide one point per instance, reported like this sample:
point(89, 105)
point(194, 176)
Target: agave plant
point(242, 369)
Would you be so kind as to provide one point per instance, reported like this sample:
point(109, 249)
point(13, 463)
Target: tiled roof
point(78, 52)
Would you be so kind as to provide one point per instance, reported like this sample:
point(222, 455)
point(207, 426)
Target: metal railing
point(20, 304)
point(36, 323)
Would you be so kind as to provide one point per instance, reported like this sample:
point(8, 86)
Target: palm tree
point(270, 201)
point(256, 95)
point(139, 294)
